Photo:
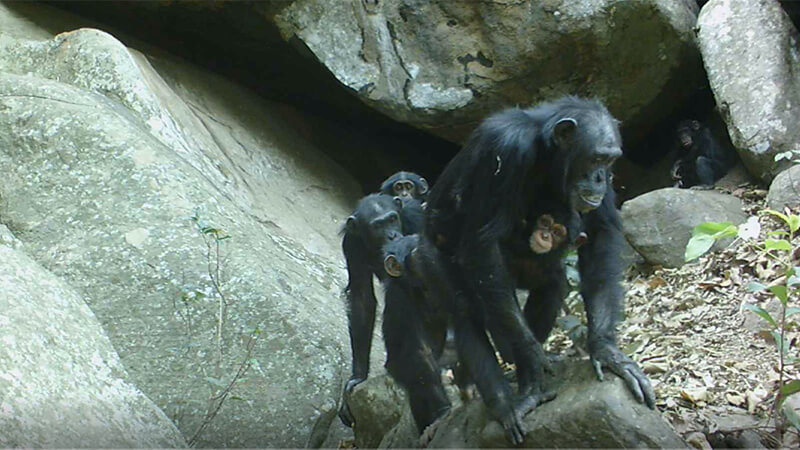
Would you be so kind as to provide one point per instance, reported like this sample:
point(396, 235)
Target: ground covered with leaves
point(713, 364)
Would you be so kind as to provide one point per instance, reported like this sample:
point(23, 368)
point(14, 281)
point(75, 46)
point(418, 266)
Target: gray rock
point(106, 155)
point(751, 53)
point(443, 65)
point(61, 382)
point(659, 224)
point(377, 405)
point(585, 413)
point(785, 189)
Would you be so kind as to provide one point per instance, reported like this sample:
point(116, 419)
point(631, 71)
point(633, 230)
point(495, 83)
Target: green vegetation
point(783, 283)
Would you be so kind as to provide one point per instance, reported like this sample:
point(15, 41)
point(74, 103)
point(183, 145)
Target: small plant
point(220, 383)
point(784, 285)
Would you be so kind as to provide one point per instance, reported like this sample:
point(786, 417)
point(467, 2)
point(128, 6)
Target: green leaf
point(778, 233)
point(697, 246)
point(793, 222)
point(755, 286)
point(763, 313)
point(712, 228)
point(777, 214)
point(777, 244)
point(790, 388)
point(781, 292)
point(776, 335)
point(730, 231)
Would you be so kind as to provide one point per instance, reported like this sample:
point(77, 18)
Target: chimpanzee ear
point(392, 266)
point(351, 223)
point(564, 130)
point(423, 185)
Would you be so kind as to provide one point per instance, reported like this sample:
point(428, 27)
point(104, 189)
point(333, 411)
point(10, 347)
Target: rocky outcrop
point(444, 65)
point(659, 224)
point(751, 52)
point(61, 382)
point(118, 171)
point(585, 413)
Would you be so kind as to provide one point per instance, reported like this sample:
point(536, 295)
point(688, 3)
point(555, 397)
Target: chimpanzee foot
point(345, 415)
point(430, 431)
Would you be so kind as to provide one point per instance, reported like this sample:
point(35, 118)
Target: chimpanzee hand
point(512, 420)
point(610, 357)
point(344, 411)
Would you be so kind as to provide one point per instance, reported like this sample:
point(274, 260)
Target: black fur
point(516, 166)
point(364, 235)
point(698, 159)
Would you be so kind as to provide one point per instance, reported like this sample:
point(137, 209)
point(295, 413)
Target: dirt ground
point(713, 366)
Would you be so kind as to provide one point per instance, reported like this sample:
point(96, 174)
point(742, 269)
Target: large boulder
point(751, 54)
point(585, 413)
point(443, 65)
point(659, 224)
point(785, 189)
point(61, 382)
point(117, 170)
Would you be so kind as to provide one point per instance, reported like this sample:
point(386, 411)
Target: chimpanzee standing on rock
point(699, 159)
point(376, 220)
point(518, 166)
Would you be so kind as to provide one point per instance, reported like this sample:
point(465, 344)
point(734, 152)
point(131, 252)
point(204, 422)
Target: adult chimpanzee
point(699, 159)
point(406, 184)
point(377, 219)
point(516, 167)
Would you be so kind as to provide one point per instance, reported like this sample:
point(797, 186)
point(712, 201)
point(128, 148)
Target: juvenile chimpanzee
point(406, 184)
point(376, 220)
point(516, 167)
point(699, 159)
point(418, 301)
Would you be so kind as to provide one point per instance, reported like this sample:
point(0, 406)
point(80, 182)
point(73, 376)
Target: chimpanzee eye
point(398, 187)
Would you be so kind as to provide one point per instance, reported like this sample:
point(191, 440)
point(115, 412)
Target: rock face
point(585, 413)
point(751, 51)
point(106, 157)
point(659, 224)
point(61, 382)
point(443, 65)
point(785, 189)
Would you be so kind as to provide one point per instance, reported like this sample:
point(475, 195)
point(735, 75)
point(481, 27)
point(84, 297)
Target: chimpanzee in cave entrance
point(406, 185)
point(522, 171)
point(699, 159)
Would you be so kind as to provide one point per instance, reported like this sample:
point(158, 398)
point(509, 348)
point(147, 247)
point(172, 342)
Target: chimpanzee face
point(404, 188)
point(377, 220)
point(406, 185)
point(591, 149)
point(685, 133)
point(399, 256)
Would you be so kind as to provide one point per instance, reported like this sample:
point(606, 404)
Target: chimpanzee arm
point(361, 305)
point(601, 268)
